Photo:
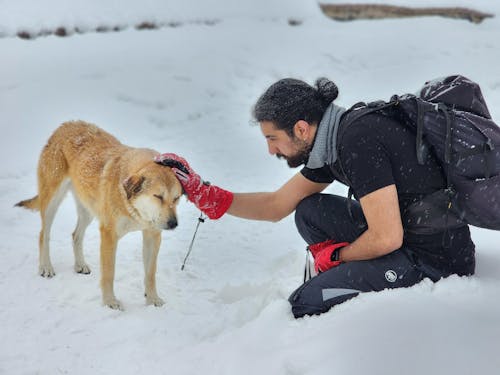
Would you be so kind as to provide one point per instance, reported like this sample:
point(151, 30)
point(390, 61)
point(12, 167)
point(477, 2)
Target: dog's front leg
point(151, 240)
point(109, 241)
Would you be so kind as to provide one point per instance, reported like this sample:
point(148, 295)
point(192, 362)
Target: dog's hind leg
point(151, 240)
point(49, 203)
point(53, 183)
point(84, 219)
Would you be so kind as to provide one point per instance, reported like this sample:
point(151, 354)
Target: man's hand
point(326, 254)
point(210, 199)
point(189, 179)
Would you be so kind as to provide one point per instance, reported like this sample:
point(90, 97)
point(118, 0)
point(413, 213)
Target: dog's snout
point(171, 223)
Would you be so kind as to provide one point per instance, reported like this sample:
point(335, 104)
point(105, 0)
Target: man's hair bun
point(326, 89)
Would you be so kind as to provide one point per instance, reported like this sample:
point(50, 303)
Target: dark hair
point(290, 100)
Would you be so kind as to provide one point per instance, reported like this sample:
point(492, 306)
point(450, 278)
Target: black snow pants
point(321, 217)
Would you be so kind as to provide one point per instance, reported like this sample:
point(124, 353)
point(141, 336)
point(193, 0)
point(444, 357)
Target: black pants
point(321, 217)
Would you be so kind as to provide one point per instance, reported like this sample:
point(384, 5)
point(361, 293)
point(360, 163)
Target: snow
point(190, 90)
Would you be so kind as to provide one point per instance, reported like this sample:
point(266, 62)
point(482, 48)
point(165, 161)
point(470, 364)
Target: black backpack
point(450, 119)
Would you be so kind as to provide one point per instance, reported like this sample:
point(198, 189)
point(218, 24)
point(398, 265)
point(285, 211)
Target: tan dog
point(122, 186)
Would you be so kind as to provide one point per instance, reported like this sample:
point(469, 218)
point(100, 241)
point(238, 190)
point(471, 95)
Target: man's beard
point(300, 157)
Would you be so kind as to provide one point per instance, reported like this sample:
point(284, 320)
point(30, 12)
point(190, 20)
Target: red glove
point(210, 199)
point(326, 254)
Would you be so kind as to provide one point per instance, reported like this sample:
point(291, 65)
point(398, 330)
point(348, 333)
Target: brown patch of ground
point(349, 12)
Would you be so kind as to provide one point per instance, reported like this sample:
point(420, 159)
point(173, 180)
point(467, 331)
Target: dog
point(122, 186)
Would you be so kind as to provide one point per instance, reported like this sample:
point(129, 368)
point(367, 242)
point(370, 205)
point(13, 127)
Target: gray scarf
point(324, 150)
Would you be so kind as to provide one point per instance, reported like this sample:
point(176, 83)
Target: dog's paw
point(114, 304)
point(46, 271)
point(82, 268)
point(157, 301)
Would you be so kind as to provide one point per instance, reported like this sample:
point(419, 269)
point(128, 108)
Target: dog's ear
point(133, 185)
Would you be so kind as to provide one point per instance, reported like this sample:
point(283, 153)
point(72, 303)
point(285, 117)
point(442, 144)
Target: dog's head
point(154, 192)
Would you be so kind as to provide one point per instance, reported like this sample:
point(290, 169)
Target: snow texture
point(190, 90)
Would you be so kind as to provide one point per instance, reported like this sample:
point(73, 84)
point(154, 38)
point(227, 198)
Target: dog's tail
point(30, 204)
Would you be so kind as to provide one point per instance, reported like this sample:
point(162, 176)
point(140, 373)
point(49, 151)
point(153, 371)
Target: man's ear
point(133, 185)
point(302, 130)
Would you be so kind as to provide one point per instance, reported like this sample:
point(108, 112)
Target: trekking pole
point(201, 219)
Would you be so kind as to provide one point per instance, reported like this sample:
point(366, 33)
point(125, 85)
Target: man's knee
point(306, 207)
point(304, 301)
point(312, 299)
point(304, 211)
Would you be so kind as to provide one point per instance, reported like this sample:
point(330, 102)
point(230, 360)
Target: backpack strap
point(447, 115)
point(420, 133)
point(422, 107)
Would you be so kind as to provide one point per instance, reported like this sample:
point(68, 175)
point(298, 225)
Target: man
point(357, 247)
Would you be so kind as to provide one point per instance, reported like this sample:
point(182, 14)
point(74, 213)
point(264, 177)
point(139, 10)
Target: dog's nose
point(171, 223)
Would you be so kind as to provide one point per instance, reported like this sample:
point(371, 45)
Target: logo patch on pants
point(391, 276)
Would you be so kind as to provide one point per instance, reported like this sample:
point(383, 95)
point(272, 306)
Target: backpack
point(451, 120)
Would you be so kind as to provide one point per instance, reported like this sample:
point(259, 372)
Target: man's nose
point(272, 150)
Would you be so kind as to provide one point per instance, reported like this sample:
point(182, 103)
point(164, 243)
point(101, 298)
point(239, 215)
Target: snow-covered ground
point(189, 90)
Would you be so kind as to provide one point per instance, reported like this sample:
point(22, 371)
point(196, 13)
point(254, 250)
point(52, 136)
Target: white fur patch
point(147, 207)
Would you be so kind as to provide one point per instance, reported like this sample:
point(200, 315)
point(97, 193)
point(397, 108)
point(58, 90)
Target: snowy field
point(190, 89)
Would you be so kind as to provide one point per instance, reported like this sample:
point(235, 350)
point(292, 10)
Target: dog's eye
point(159, 197)
point(176, 199)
